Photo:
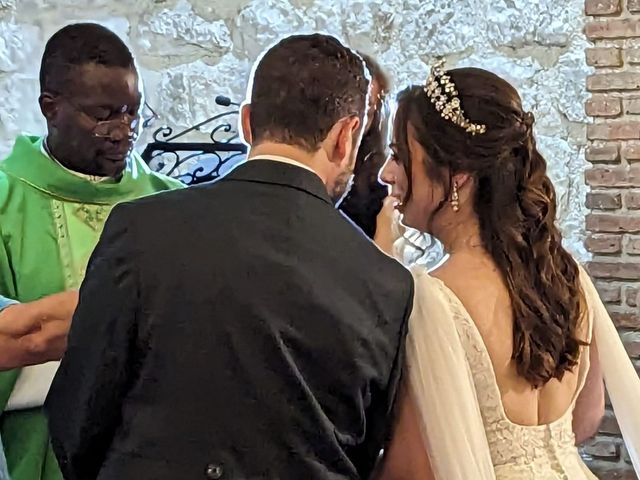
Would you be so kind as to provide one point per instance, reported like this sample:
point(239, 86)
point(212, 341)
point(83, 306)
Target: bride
point(504, 376)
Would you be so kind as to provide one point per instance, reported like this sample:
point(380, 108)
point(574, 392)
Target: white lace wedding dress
point(466, 430)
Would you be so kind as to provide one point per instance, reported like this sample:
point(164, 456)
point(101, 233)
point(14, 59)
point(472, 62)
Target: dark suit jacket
point(242, 330)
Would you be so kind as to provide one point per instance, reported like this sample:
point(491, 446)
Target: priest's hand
point(36, 332)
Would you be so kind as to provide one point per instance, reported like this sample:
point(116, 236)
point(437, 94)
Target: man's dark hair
point(302, 86)
point(77, 45)
point(363, 202)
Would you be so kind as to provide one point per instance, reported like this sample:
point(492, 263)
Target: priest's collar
point(46, 151)
point(30, 164)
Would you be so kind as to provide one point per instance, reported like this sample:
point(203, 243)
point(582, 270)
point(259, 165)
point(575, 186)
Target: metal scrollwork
point(223, 127)
point(162, 134)
point(197, 162)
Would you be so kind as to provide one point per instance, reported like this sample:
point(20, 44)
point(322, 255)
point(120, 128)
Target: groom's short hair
point(302, 86)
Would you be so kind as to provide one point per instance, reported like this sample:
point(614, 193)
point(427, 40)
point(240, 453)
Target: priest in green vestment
point(55, 195)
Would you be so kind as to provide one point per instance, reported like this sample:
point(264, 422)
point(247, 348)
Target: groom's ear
point(345, 134)
point(245, 123)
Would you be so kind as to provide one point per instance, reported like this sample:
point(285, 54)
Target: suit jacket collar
point(263, 170)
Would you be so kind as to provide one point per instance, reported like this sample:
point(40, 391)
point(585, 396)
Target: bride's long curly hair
point(515, 203)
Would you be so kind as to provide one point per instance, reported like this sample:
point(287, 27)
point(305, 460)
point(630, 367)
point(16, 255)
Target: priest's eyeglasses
point(108, 128)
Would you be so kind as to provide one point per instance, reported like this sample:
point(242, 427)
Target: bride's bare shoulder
point(475, 281)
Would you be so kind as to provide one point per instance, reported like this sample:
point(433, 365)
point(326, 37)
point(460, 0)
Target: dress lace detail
point(518, 452)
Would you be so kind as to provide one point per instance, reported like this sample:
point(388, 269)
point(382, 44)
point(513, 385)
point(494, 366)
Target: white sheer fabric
point(621, 379)
point(463, 445)
point(443, 389)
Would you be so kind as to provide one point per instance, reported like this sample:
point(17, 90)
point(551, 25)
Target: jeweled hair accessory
point(443, 94)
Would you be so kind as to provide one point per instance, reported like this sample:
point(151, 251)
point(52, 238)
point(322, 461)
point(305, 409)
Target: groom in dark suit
point(242, 329)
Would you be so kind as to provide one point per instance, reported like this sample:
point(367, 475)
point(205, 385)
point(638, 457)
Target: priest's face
point(93, 124)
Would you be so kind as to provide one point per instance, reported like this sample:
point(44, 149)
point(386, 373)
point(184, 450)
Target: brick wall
point(614, 202)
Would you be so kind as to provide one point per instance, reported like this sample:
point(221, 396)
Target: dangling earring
point(455, 199)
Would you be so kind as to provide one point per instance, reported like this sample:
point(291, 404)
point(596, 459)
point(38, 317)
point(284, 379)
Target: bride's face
point(418, 208)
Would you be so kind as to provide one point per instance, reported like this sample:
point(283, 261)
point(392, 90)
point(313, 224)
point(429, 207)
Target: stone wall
point(190, 51)
point(614, 151)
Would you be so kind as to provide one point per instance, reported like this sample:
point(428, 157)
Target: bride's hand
point(385, 235)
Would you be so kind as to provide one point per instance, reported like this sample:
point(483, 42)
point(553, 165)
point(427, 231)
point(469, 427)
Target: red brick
point(615, 270)
point(610, 28)
point(632, 200)
point(608, 292)
point(633, 6)
point(606, 153)
point(603, 448)
point(613, 176)
point(599, 243)
point(631, 297)
point(613, 81)
point(632, 106)
point(602, 7)
point(632, 56)
point(631, 341)
point(604, 57)
point(618, 130)
point(612, 223)
point(633, 245)
point(603, 201)
point(604, 106)
point(629, 320)
point(631, 152)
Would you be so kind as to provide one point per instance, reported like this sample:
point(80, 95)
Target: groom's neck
point(300, 155)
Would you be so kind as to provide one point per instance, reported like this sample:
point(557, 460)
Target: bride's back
point(477, 283)
point(465, 169)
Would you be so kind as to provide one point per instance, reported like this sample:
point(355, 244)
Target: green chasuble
point(50, 222)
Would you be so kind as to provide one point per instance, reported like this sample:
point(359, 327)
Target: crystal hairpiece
point(443, 94)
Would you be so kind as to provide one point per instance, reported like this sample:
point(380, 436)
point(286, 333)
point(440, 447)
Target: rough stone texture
point(178, 36)
point(192, 50)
